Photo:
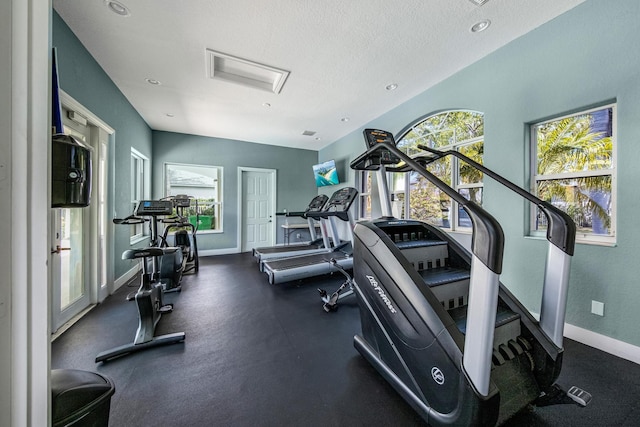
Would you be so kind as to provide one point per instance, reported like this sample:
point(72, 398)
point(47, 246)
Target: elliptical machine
point(168, 267)
point(149, 297)
point(185, 234)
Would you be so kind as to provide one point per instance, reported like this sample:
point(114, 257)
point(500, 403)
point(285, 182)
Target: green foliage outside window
point(574, 169)
point(450, 130)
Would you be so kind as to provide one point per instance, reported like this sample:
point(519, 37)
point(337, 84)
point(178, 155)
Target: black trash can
point(80, 398)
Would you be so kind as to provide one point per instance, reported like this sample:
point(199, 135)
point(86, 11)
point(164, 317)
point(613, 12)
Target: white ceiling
point(341, 55)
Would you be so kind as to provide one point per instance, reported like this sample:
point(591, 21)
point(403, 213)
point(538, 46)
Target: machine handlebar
point(131, 219)
point(561, 231)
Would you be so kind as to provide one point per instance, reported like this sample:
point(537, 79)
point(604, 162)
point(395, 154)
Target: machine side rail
point(561, 234)
point(561, 231)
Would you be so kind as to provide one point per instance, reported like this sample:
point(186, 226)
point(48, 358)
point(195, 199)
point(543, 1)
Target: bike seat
point(147, 252)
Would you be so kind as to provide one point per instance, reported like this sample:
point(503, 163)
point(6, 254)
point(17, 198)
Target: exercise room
point(225, 213)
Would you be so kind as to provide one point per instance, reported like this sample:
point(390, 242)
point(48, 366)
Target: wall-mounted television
point(326, 173)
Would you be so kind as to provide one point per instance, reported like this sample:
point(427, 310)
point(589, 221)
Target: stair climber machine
point(149, 297)
point(436, 322)
point(300, 267)
point(184, 236)
point(316, 245)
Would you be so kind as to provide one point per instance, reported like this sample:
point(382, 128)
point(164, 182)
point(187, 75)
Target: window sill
point(608, 242)
point(210, 231)
point(136, 240)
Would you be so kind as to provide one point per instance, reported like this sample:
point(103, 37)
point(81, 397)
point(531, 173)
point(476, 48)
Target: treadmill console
point(338, 205)
point(317, 203)
point(340, 202)
point(182, 201)
point(383, 157)
point(154, 208)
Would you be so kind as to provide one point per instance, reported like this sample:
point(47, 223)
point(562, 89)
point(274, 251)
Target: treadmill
point(316, 244)
point(301, 267)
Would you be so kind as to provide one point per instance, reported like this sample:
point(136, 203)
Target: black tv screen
point(326, 173)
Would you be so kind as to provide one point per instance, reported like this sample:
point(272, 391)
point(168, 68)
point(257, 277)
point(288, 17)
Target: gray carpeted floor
point(262, 355)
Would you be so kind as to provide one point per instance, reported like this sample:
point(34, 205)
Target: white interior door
point(258, 204)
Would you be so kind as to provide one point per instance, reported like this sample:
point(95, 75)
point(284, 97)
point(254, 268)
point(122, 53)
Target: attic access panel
point(221, 66)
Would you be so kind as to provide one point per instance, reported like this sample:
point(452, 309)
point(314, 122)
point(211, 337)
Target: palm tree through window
point(460, 130)
point(574, 170)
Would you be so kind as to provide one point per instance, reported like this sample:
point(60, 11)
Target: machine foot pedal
point(556, 396)
point(329, 307)
point(579, 396)
point(166, 308)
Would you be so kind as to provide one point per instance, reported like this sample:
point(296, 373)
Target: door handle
point(58, 249)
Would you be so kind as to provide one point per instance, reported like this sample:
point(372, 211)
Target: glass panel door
point(69, 265)
point(70, 252)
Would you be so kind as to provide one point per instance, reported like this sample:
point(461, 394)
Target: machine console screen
point(154, 208)
point(317, 203)
point(341, 200)
point(376, 136)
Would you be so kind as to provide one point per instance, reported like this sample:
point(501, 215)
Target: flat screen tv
point(326, 173)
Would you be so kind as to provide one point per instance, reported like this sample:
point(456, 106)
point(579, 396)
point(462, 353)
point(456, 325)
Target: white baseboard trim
point(602, 342)
point(607, 344)
point(126, 277)
point(62, 329)
point(213, 252)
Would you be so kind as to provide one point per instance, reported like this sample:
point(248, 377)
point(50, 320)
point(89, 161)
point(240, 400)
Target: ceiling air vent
point(309, 133)
point(221, 66)
point(478, 2)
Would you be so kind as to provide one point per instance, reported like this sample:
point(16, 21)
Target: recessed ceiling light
point(117, 7)
point(344, 119)
point(480, 26)
point(318, 138)
point(392, 86)
point(266, 104)
point(170, 115)
point(152, 81)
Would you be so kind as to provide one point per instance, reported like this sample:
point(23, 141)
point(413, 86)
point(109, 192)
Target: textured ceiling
point(341, 56)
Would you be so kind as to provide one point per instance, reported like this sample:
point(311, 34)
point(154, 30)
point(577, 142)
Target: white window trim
point(146, 190)
point(361, 181)
point(220, 229)
point(582, 238)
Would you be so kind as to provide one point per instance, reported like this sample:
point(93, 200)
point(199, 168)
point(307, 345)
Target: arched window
point(460, 130)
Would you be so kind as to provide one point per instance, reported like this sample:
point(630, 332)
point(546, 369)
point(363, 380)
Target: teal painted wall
point(295, 183)
point(84, 80)
point(586, 56)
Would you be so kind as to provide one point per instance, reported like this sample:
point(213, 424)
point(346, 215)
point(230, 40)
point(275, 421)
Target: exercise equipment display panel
point(154, 208)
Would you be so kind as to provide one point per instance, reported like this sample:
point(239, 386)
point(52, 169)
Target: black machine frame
point(434, 345)
point(185, 235)
point(149, 297)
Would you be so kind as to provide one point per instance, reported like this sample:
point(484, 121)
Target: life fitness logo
point(437, 375)
point(376, 287)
